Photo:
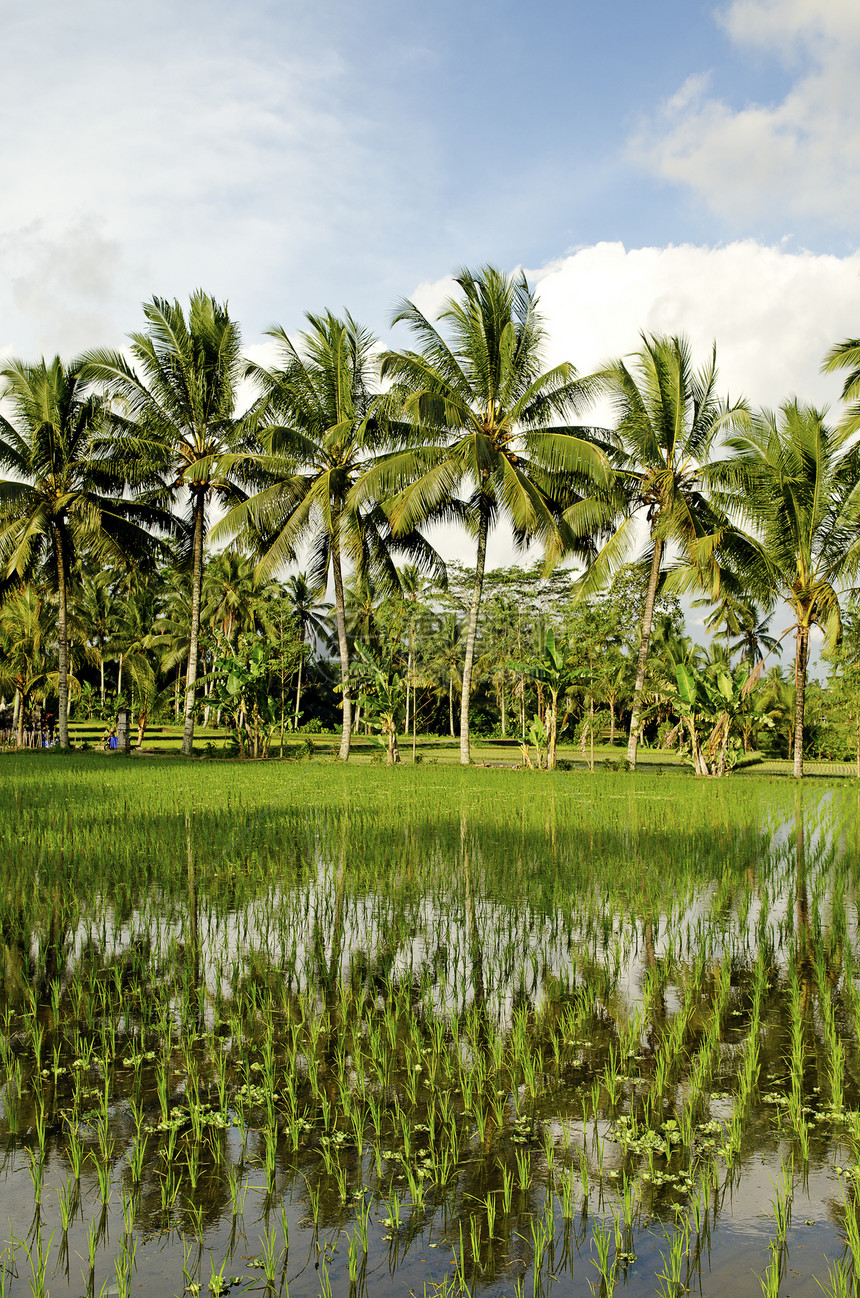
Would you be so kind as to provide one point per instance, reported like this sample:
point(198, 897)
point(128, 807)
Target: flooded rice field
point(318, 1031)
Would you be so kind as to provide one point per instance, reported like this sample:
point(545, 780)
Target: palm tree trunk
point(196, 591)
point(552, 730)
point(102, 673)
point(480, 560)
point(340, 614)
point(800, 658)
point(451, 702)
point(119, 678)
point(591, 727)
point(63, 645)
point(408, 684)
point(298, 692)
point(645, 641)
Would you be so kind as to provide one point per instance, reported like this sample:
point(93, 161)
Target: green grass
point(552, 1021)
point(167, 739)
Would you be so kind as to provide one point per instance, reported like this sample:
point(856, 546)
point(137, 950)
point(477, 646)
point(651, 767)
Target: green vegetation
point(473, 1030)
point(341, 459)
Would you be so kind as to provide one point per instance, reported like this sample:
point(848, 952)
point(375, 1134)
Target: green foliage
point(382, 696)
point(241, 690)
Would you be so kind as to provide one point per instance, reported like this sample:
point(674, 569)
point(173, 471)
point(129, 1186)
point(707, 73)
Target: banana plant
point(538, 738)
point(240, 689)
point(382, 697)
point(552, 671)
point(712, 704)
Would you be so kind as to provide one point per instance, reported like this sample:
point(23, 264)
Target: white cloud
point(198, 146)
point(799, 157)
point(772, 313)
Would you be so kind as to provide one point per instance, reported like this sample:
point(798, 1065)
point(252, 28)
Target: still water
point(318, 1032)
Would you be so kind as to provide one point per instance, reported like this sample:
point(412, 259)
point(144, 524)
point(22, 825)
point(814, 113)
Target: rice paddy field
point(313, 1030)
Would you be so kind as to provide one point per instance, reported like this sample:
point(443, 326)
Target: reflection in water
point(555, 1039)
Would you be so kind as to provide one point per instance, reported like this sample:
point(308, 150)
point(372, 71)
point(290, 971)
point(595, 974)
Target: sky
point(681, 167)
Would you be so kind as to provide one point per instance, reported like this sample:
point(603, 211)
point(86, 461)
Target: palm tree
point(668, 417)
point(27, 628)
point(310, 613)
point(175, 413)
point(846, 356)
point(66, 497)
point(171, 630)
point(324, 441)
point(233, 601)
point(361, 604)
point(447, 659)
point(744, 628)
point(795, 482)
point(99, 605)
point(482, 413)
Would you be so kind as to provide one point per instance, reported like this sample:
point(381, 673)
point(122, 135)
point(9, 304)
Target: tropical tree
point(382, 694)
point(795, 482)
point(446, 659)
point(311, 617)
point(741, 624)
point(486, 420)
point(554, 672)
point(99, 607)
point(66, 496)
point(171, 630)
point(668, 417)
point(846, 356)
point(27, 630)
point(232, 599)
point(175, 412)
point(322, 438)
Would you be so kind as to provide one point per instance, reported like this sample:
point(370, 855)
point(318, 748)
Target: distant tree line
point(147, 519)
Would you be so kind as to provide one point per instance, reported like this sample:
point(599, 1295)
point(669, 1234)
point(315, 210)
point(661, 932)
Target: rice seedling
point(311, 1002)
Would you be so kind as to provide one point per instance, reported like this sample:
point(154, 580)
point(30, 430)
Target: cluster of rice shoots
point(328, 1031)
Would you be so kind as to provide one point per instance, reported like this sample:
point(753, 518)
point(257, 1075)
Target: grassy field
point(165, 740)
point(316, 1029)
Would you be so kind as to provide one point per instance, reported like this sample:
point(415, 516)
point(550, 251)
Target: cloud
point(799, 157)
point(62, 287)
point(772, 313)
point(200, 146)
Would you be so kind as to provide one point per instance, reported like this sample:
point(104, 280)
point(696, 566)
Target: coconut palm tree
point(233, 601)
point(98, 603)
point(175, 412)
point(446, 660)
point(66, 496)
point(171, 630)
point(794, 481)
point(27, 630)
point(738, 620)
point(668, 417)
point(311, 616)
point(321, 440)
point(487, 420)
point(846, 356)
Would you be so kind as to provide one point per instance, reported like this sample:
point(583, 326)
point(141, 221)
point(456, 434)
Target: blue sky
point(673, 167)
point(295, 157)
